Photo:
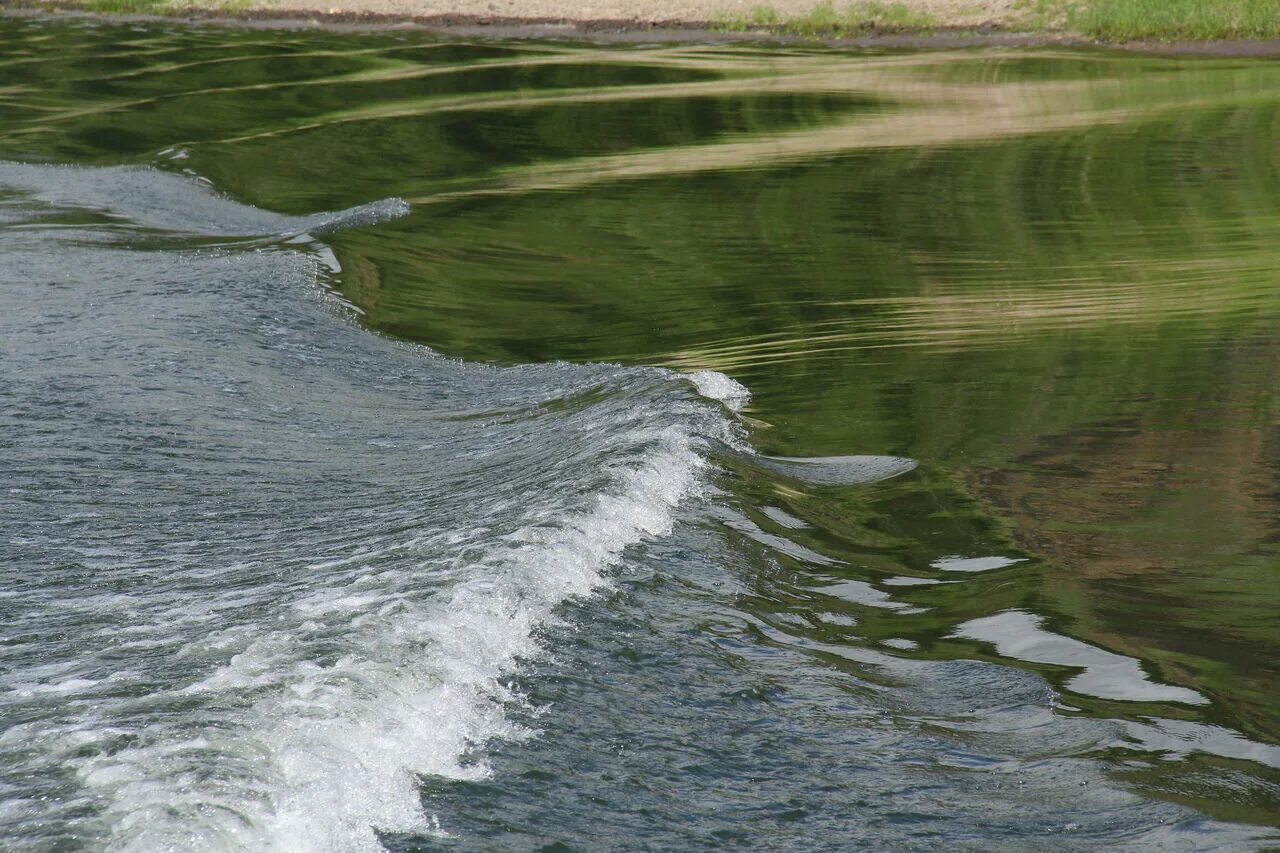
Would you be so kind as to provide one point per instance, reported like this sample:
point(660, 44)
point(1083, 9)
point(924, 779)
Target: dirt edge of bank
point(626, 31)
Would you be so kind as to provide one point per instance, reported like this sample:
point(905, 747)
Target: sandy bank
point(993, 23)
point(948, 13)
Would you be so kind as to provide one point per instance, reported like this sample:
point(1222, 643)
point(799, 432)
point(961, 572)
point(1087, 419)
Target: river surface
point(463, 446)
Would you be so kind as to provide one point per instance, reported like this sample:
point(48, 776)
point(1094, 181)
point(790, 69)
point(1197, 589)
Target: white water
point(313, 564)
point(336, 748)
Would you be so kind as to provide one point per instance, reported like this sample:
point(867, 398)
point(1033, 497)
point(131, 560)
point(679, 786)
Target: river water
point(433, 445)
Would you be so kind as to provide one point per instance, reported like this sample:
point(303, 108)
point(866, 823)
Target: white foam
point(179, 203)
point(716, 386)
point(332, 752)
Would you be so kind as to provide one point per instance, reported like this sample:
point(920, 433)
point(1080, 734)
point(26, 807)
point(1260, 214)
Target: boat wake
point(267, 568)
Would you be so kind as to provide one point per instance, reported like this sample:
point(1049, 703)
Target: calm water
point(471, 446)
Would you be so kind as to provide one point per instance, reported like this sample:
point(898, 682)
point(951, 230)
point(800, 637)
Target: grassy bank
point(1176, 19)
point(163, 7)
point(1108, 20)
point(827, 20)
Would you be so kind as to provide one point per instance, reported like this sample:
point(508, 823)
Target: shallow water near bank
point(429, 445)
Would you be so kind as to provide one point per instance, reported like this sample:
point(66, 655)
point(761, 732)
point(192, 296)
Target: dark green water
point(1052, 278)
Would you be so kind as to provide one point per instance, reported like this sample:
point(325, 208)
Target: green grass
point(125, 7)
point(1176, 19)
point(1163, 20)
point(1043, 14)
point(1110, 20)
point(160, 7)
point(826, 20)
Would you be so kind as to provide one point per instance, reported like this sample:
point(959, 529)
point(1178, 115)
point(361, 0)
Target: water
point(464, 446)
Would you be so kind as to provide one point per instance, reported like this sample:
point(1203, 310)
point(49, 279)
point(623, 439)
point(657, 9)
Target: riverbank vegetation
point(1108, 20)
point(1104, 20)
point(1176, 19)
point(162, 7)
point(825, 19)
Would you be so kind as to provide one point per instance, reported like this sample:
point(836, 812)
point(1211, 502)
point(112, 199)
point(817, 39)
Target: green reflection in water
point(1051, 277)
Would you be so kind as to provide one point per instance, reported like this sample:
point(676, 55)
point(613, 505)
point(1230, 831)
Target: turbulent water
point(681, 448)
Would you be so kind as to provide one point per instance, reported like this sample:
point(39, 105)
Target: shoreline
point(628, 30)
